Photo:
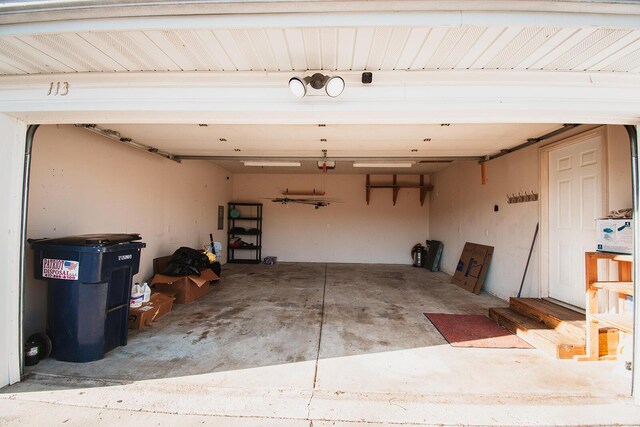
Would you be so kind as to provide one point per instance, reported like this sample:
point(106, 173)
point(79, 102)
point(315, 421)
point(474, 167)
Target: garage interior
point(340, 315)
point(449, 128)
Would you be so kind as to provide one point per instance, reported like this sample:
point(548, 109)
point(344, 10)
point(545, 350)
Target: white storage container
point(614, 235)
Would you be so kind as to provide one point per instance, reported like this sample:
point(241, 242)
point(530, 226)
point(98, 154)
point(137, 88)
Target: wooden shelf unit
point(424, 188)
point(624, 286)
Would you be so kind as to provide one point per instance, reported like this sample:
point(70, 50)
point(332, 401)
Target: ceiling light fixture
point(383, 164)
point(333, 85)
point(270, 163)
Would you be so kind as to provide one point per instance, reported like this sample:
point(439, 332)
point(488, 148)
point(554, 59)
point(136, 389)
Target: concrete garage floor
point(316, 344)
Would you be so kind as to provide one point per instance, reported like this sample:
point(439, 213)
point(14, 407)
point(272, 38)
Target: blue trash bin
point(89, 290)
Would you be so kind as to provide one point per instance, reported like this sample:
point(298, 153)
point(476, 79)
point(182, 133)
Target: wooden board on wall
point(472, 267)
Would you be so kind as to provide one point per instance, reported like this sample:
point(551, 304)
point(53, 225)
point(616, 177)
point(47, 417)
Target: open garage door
point(458, 103)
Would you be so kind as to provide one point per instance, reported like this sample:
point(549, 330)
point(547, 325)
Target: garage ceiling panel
point(630, 62)
point(613, 52)
point(412, 46)
point(216, 51)
point(397, 42)
point(329, 50)
point(362, 48)
point(567, 47)
point(521, 47)
point(588, 48)
point(445, 48)
point(496, 47)
point(133, 50)
point(429, 46)
point(28, 60)
point(345, 48)
point(379, 45)
point(9, 69)
point(463, 44)
point(346, 140)
point(297, 49)
point(279, 49)
point(248, 50)
point(74, 52)
point(313, 48)
point(385, 48)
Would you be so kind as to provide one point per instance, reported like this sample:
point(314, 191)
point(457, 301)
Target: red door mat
point(467, 330)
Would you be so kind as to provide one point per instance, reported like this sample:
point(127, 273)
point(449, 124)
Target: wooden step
point(556, 343)
point(553, 315)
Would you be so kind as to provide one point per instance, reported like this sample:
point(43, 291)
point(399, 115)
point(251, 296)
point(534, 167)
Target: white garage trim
point(258, 97)
point(634, 136)
point(304, 14)
point(305, 20)
point(11, 174)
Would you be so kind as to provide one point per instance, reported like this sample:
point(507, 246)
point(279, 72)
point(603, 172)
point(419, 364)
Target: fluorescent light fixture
point(271, 163)
point(383, 164)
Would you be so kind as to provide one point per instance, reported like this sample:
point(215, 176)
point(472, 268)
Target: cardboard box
point(472, 267)
point(186, 288)
point(159, 264)
point(614, 235)
point(159, 305)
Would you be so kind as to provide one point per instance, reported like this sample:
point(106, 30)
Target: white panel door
point(575, 201)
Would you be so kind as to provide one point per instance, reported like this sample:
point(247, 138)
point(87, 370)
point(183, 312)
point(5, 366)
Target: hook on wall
point(522, 198)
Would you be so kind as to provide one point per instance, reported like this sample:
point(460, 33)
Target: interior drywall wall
point(619, 172)
point(463, 210)
point(346, 231)
point(84, 183)
point(12, 150)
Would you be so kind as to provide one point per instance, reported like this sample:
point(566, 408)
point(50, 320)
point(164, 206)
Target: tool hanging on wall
point(526, 267)
point(522, 198)
point(483, 170)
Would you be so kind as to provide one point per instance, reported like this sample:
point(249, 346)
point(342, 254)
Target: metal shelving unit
point(250, 216)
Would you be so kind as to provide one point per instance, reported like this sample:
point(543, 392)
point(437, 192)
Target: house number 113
point(58, 89)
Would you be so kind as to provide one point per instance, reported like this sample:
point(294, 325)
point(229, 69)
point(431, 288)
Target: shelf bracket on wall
point(303, 193)
point(424, 188)
point(368, 189)
point(395, 189)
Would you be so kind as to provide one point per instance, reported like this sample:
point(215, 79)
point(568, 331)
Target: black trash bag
point(185, 262)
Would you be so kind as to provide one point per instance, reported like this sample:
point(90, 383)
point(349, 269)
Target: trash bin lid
point(90, 240)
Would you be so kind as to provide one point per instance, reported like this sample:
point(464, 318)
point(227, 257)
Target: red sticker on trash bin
point(60, 269)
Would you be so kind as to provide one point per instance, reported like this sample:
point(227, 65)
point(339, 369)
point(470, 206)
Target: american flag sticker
point(60, 269)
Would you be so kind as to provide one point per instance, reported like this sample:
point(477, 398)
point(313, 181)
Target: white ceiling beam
point(395, 97)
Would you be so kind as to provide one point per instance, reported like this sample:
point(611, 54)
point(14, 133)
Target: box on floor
point(185, 288)
point(159, 305)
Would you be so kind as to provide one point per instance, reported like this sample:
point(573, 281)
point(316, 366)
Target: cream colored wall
point(346, 232)
point(83, 183)
point(619, 153)
point(462, 210)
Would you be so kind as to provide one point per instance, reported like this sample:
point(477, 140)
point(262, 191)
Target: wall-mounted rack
point(424, 188)
point(303, 193)
point(522, 198)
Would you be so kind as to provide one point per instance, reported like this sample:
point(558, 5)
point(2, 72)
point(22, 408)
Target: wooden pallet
point(553, 315)
point(553, 329)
